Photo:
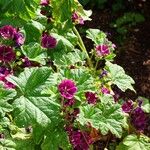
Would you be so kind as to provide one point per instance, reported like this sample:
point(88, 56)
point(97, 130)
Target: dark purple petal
point(102, 50)
point(4, 72)
point(48, 41)
point(138, 119)
point(19, 39)
point(77, 19)
point(103, 74)
point(8, 32)
point(140, 101)
point(44, 2)
point(67, 89)
point(7, 54)
point(91, 97)
point(74, 16)
point(26, 62)
point(105, 90)
point(79, 139)
point(69, 102)
point(9, 85)
point(127, 106)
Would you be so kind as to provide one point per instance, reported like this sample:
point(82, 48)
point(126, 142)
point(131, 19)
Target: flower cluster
point(79, 139)
point(48, 41)
point(102, 50)
point(77, 19)
point(138, 119)
point(4, 72)
point(10, 33)
point(7, 54)
point(91, 97)
point(67, 89)
point(127, 106)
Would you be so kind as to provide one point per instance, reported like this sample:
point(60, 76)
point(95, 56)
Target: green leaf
point(63, 46)
point(33, 106)
point(38, 134)
point(145, 104)
point(97, 36)
point(5, 95)
point(68, 45)
point(35, 52)
point(82, 78)
point(60, 8)
point(56, 139)
point(70, 59)
point(6, 144)
point(85, 14)
point(23, 8)
point(105, 117)
point(27, 144)
point(133, 142)
point(119, 78)
point(62, 14)
point(33, 31)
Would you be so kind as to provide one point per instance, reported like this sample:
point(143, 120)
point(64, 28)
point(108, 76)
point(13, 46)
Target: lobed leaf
point(35, 52)
point(105, 117)
point(33, 106)
point(119, 78)
point(133, 142)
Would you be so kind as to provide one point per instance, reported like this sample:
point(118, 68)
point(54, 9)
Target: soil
point(133, 54)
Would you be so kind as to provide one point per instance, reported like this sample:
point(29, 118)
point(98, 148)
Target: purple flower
point(80, 139)
point(103, 74)
point(102, 50)
point(48, 41)
point(67, 89)
point(44, 2)
point(140, 101)
point(69, 102)
point(91, 97)
point(138, 119)
point(8, 32)
point(9, 85)
point(4, 72)
point(113, 46)
point(104, 90)
point(26, 62)
point(19, 39)
point(77, 19)
point(7, 54)
point(127, 106)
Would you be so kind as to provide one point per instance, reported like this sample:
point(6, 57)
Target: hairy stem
point(82, 46)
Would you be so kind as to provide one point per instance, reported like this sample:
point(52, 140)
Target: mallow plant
point(53, 94)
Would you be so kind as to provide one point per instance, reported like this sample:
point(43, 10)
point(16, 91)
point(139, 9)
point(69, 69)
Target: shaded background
point(127, 23)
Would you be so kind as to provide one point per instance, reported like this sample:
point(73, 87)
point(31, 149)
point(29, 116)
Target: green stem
point(82, 46)
point(96, 65)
